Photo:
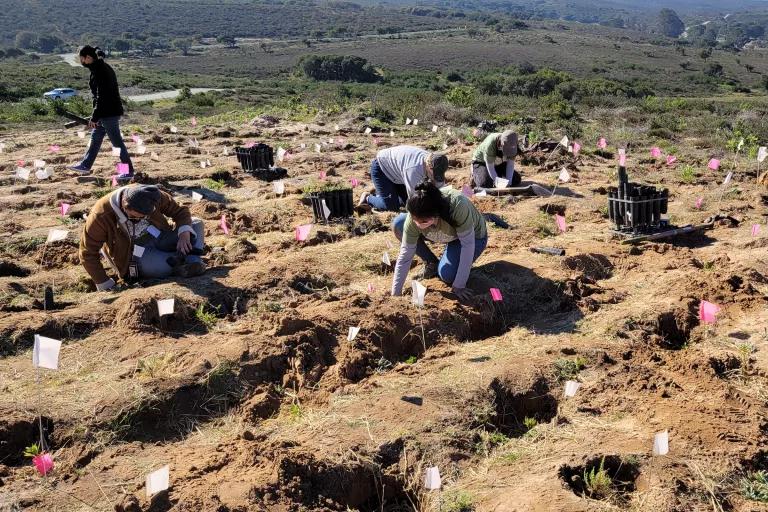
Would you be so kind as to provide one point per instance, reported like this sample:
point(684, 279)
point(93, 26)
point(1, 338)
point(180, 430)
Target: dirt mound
point(142, 315)
point(58, 254)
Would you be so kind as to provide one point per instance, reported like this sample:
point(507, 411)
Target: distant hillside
point(75, 20)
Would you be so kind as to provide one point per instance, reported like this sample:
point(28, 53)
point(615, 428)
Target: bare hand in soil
point(184, 244)
point(464, 294)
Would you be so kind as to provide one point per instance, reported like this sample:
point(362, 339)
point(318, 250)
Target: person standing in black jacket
point(107, 109)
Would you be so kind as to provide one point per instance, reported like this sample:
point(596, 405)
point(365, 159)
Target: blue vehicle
point(60, 93)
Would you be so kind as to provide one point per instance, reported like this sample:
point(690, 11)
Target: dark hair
point(91, 51)
point(428, 201)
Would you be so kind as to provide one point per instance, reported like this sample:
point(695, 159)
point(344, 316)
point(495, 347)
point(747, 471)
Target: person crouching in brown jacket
point(130, 225)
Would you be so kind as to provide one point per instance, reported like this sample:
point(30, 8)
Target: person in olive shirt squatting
point(107, 109)
point(441, 216)
point(135, 216)
point(485, 170)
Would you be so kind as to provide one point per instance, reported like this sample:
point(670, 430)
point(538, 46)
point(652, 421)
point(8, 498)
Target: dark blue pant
point(389, 196)
point(154, 261)
point(448, 264)
point(109, 126)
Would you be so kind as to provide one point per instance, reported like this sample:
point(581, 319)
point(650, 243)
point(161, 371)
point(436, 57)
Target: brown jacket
point(106, 228)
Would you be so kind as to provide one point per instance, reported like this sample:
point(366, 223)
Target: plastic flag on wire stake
point(158, 481)
point(661, 443)
point(755, 229)
point(432, 481)
point(165, 307)
point(561, 225)
point(417, 298)
point(571, 387)
point(708, 312)
point(45, 353)
point(302, 232)
point(352, 333)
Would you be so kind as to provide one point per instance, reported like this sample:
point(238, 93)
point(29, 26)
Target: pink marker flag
point(114, 181)
point(708, 312)
point(302, 232)
point(64, 208)
point(250, 144)
point(714, 164)
point(655, 152)
point(576, 148)
point(223, 224)
point(755, 229)
point(622, 157)
point(671, 159)
point(122, 169)
point(699, 202)
point(21, 163)
point(370, 288)
point(496, 294)
point(467, 191)
point(323, 174)
point(561, 225)
point(602, 143)
point(43, 463)
point(354, 182)
point(135, 138)
point(193, 121)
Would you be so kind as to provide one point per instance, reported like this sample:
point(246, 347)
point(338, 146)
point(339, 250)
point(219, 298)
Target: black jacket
point(106, 94)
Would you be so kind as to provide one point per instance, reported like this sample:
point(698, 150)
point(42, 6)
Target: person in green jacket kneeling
point(485, 170)
point(440, 216)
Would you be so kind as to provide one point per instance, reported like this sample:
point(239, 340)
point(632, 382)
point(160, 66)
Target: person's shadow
point(528, 300)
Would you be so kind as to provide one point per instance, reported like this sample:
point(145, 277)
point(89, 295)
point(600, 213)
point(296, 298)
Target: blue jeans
point(109, 126)
point(154, 261)
point(389, 196)
point(448, 264)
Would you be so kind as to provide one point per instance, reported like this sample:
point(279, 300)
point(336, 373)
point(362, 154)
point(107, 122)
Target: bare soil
point(263, 404)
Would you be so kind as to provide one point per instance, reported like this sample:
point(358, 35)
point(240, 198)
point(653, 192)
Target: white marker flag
point(762, 153)
point(419, 291)
point(45, 353)
point(415, 122)
point(158, 481)
point(281, 154)
point(44, 174)
point(278, 187)
point(54, 235)
point(39, 164)
point(116, 152)
point(197, 196)
point(661, 443)
point(318, 148)
point(565, 176)
point(432, 480)
point(174, 129)
point(165, 306)
point(434, 128)
point(368, 131)
point(571, 387)
point(22, 173)
point(564, 142)
point(728, 178)
point(408, 120)
point(352, 333)
point(140, 150)
point(385, 259)
point(326, 210)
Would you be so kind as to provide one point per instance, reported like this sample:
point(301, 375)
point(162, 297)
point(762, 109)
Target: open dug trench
point(17, 433)
point(605, 477)
point(520, 402)
point(671, 329)
point(10, 269)
point(307, 483)
point(594, 266)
